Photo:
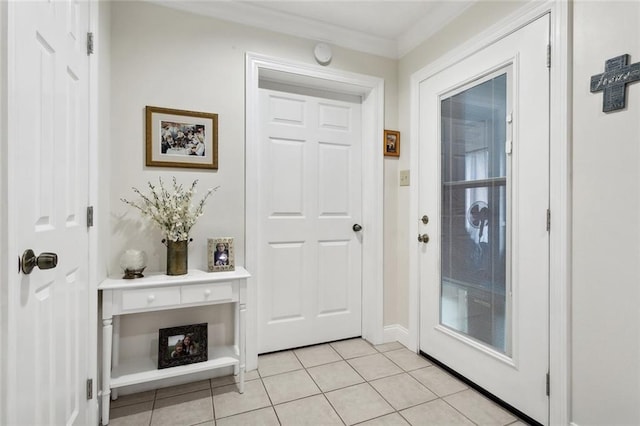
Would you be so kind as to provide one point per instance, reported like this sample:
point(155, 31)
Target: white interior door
point(309, 288)
point(484, 184)
point(47, 348)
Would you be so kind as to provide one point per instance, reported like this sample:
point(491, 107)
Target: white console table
point(157, 292)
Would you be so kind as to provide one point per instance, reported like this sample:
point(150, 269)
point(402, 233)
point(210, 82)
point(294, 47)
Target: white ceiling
point(388, 28)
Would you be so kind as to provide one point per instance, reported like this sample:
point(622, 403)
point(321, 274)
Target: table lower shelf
point(143, 370)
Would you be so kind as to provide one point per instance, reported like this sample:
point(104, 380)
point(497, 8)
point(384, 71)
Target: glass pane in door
point(474, 212)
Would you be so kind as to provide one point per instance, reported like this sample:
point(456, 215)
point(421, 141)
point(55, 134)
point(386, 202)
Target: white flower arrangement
point(172, 212)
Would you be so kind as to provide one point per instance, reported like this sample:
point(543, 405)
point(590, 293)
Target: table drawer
point(220, 292)
point(150, 298)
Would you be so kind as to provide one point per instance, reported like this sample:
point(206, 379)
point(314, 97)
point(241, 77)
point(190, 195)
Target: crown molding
point(268, 19)
point(254, 15)
point(438, 17)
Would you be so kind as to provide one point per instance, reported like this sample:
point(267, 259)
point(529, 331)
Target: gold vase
point(177, 257)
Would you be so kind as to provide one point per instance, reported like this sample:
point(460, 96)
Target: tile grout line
point(438, 397)
point(391, 405)
point(442, 397)
point(213, 406)
point(319, 388)
point(273, 407)
point(376, 390)
point(323, 393)
point(461, 413)
point(153, 406)
point(365, 381)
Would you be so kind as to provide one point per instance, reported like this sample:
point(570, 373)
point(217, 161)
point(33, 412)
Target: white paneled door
point(484, 185)
point(309, 284)
point(47, 345)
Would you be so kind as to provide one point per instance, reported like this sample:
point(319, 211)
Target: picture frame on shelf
point(220, 254)
point(180, 138)
point(391, 143)
point(185, 344)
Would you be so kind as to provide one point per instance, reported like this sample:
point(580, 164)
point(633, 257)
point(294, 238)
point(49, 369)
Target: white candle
point(133, 260)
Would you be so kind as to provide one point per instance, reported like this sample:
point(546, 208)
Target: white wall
point(606, 223)
point(167, 58)
point(3, 205)
point(103, 175)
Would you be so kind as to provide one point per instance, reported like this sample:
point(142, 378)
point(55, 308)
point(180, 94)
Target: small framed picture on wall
point(391, 143)
point(178, 138)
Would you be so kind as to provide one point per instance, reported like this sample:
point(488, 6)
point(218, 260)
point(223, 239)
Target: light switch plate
point(404, 177)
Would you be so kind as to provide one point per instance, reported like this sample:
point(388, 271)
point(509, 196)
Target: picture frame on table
point(185, 344)
point(220, 254)
point(180, 138)
point(391, 143)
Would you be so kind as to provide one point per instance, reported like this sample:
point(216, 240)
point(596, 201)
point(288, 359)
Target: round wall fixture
point(322, 52)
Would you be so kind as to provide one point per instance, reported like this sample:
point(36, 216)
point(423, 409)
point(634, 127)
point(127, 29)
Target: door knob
point(356, 227)
point(424, 238)
point(44, 261)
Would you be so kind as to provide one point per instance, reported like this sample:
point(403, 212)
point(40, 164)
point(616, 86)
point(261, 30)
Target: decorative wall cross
point(617, 74)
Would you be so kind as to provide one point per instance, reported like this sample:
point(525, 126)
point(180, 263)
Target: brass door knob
point(44, 261)
point(423, 238)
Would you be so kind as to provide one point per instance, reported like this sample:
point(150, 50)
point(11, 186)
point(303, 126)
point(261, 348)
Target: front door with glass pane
point(484, 184)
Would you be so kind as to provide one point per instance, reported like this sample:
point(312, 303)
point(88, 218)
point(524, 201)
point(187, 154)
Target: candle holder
point(133, 263)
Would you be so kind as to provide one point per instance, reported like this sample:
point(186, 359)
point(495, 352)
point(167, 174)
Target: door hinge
point(89, 216)
point(549, 55)
point(89, 43)
point(89, 388)
point(508, 145)
point(548, 385)
point(548, 220)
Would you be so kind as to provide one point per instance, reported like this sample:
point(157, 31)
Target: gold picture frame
point(180, 138)
point(391, 143)
point(220, 254)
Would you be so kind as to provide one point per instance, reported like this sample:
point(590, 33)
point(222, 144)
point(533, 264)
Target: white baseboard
point(396, 333)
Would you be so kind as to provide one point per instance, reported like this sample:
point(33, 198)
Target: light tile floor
point(341, 383)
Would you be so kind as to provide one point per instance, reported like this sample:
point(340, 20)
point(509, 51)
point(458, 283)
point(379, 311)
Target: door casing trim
point(372, 91)
point(97, 173)
point(560, 187)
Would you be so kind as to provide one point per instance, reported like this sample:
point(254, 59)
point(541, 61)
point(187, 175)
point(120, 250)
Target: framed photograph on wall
point(391, 143)
point(220, 254)
point(185, 344)
point(177, 138)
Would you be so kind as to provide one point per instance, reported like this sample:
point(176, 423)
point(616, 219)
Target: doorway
point(345, 85)
point(483, 254)
point(47, 296)
point(310, 251)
